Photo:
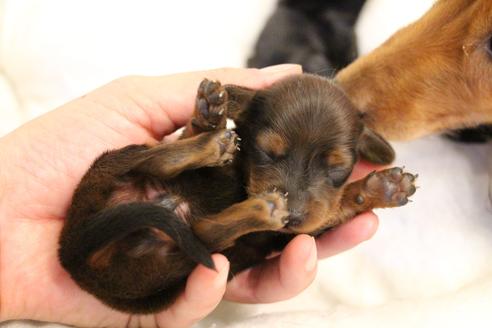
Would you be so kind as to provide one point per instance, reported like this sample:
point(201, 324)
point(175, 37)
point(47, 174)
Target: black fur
point(317, 34)
point(480, 134)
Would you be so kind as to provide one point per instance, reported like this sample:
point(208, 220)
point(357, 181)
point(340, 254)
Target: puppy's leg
point(207, 149)
point(210, 109)
point(214, 104)
point(388, 188)
point(262, 213)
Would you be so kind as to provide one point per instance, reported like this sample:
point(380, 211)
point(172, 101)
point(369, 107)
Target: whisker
point(331, 74)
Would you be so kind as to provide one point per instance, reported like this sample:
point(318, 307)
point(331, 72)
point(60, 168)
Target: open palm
point(43, 161)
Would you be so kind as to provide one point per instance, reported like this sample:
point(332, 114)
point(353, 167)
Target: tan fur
point(102, 258)
point(431, 76)
point(272, 143)
point(339, 157)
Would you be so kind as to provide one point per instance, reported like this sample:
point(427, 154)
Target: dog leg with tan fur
point(261, 213)
point(387, 188)
point(207, 149)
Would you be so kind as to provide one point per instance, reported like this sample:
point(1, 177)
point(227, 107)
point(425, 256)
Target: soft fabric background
point(429, 265)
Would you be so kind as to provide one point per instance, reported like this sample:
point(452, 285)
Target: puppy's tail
point(82, 238)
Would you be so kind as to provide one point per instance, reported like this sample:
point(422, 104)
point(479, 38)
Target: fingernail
point(312, 257)
point(221, 278)
point(282, 68)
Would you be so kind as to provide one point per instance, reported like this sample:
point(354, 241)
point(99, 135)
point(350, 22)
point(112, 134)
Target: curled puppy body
point(324, 44)
point(143, 216)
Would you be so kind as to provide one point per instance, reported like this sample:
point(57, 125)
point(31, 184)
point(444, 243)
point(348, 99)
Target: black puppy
point(143, 216)
point(314, 33)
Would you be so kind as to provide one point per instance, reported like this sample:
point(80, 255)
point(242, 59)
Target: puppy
point(143, 216)
point(324, 44)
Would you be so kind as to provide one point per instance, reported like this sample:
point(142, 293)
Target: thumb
point(204, 290)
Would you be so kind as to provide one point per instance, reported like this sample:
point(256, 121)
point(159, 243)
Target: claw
point(397, 170)
point(285, 220)
point(209, 87)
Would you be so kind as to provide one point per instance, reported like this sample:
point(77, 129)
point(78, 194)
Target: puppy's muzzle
point(296, 218)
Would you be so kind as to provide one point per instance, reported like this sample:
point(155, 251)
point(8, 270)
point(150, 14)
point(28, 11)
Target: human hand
point(44, 160)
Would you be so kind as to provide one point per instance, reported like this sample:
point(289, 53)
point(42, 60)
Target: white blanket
point(429, 264)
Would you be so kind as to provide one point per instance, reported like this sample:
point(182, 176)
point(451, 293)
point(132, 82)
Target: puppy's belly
point(151, 192)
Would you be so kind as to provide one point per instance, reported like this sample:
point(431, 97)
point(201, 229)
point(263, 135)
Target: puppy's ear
point(374, 148)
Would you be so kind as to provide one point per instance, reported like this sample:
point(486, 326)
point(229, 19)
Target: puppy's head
point(302, 137)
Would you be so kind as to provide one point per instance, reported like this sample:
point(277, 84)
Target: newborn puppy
point(143, 216)
point(324, 44)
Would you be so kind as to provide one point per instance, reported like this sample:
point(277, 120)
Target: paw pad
point(277, 205)
point(211, 105)
point(228, 143)
point(392, 186)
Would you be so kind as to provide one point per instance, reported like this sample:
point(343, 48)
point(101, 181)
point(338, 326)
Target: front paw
point(223, 145)
point(211, 106)
point(273, 208)
point(388, 188)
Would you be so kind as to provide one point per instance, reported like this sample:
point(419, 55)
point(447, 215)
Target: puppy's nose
point(295, 218)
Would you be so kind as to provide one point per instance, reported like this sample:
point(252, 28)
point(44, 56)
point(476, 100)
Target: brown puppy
point(144, 216)
point(431, 76)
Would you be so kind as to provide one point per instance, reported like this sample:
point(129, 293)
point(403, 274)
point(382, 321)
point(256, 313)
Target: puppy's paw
point(211, 106)
point(228, 144)
point(223, 145)
point(274, 210)
point(388, 188)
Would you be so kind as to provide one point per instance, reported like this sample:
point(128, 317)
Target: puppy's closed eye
point(338, 175)
point(265, 158)
point(339, 163)
point(271, 144)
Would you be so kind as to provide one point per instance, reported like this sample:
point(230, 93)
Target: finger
point(168, 100)
point(347, 235)
point(278, 278)
point(204, 290)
